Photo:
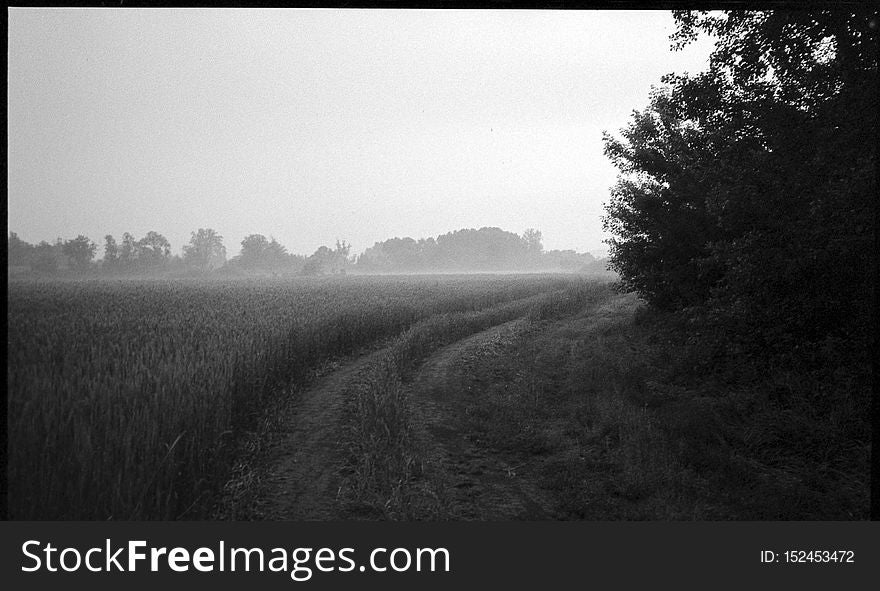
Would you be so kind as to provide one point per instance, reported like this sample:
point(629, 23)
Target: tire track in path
point(301, 470)
point(302, 479)
point(475, 483)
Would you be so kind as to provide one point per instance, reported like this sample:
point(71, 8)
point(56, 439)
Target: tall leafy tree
point(535, 247)
point(111, 252)
point(79, 251)
point(45, 258)
point(205, 250)
point(153, 249)
point(253, 251)
point(18, 251)
point(128, 252)
point(657, 212)
point(276, 255)
point(749, 188)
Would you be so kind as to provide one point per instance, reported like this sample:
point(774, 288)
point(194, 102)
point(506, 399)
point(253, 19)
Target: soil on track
point(477, 483)
point(302, 467)
point(302, 481)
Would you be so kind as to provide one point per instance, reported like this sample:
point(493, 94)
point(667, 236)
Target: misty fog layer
point(462, 251)
point(322, 125)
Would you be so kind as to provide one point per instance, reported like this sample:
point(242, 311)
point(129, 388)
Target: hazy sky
point(313, 125)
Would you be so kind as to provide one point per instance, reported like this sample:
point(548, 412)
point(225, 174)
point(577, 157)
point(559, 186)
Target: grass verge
point(622, 414)
point(385, 468)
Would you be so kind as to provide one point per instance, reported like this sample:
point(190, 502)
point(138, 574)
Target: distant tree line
point(747, 192)
point(46, 257)
point(470, 250)
point(262, 255)
point(151, 255)
point(148, 255)
point(486, 249)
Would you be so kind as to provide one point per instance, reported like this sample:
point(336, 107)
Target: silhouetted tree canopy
point(154, 249)
point(748, 189)
point(111, 252)
point(128, 251)
point(328, 260)
point(486, 249)
point(532, 238)
point(261, 254)
point(253, 251)
point(79, 251)
point(150, 254)
point(48, 257)
point(205, 250)
point(18, 252)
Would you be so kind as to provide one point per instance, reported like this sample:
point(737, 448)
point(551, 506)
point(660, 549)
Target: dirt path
point(476, 483)
point(302, 479)
point(301, 475)
point(513, 422)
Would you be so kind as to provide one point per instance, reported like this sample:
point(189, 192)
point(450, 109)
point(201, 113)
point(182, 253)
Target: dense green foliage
point(125, 397)
point(748, 190)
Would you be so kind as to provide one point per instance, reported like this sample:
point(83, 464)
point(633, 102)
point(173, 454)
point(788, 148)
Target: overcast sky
point(313, 125)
